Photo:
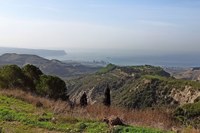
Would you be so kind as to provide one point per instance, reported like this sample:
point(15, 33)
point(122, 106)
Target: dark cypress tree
point(107, 100)
point(83, 100)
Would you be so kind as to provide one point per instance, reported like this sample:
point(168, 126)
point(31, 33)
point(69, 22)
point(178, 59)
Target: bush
point(83, 100)
point(52, 87)
point(188, 110)
point(188, 114)
point(13, 76)
point(107, 100)
point(33, 74)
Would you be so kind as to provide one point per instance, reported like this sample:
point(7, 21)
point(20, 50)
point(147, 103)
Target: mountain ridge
point(51, 67)
point(39, 52)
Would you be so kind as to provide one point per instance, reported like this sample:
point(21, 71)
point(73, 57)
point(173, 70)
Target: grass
point(107, 69)
point(26, 117)
point(178, 83)
point(16, 108)
point(129, 129)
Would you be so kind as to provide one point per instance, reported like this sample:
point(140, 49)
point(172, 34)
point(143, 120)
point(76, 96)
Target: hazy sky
point(154, 26)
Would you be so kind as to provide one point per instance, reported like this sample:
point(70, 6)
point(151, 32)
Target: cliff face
point(135, 87)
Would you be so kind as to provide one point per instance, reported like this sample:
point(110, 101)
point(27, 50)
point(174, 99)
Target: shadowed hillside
point(52, 67)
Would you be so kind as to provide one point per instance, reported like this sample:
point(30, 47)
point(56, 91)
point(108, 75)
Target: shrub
point(13, 76)
point(188, 110)
point(107, 101)
point(52, 87)
point(188, 114)
point(83, 100)
point(33, 74)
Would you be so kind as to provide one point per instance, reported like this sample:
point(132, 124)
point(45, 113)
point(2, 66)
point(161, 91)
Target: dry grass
point(190, 130)
point(157, 118)
point(55, 106)
point(152, 118)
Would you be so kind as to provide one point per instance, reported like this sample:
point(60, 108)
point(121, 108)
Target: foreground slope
point(20, 116)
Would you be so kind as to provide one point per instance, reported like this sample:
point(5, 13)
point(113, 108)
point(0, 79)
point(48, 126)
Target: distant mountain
point(52, 67)
point(40, 52)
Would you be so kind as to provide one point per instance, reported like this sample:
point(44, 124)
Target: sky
point(112, 26)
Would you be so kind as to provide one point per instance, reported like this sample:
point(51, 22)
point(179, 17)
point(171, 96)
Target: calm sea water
point(167, 60)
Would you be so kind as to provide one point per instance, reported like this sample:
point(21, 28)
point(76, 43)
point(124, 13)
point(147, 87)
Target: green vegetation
point(107, 69)
point(13, 110)
point(32, 74)
point(130, 129)
point(11, 76)
point(31, 78)
point(144, 70)
point(24, 117)
point(51, 86)
point(177, 83)
point(107, 100)
point(83, 100)
point(189, 114)
point(133, 86)
point(152, 87)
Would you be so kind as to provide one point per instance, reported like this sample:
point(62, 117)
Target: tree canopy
point(31, 78)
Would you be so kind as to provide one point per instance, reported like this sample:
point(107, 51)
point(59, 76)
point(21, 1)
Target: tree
point(83, 100)
point(32, 74)
point(107, 100)
point(13, 76)
point(52, 87)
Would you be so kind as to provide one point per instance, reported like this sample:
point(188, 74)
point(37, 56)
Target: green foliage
point(107, 99)
point(12, 75)
point(175, 83)
point(83, 100)
point(51, 86)
point(28, 115)
point(107, 69)
point(33, 74)
point(3, 82)
point(188, 114)
point(32, 78)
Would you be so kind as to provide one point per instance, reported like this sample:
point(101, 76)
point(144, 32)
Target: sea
point(179, 60)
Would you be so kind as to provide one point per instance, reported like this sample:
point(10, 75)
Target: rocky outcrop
point(113, 121)
point(187, 95)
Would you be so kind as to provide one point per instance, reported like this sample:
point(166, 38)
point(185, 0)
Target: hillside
point(140, 87)
point(185, 73)
point(141, 96)
point(135, 87)
point(19, 113)
point(51, 67)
